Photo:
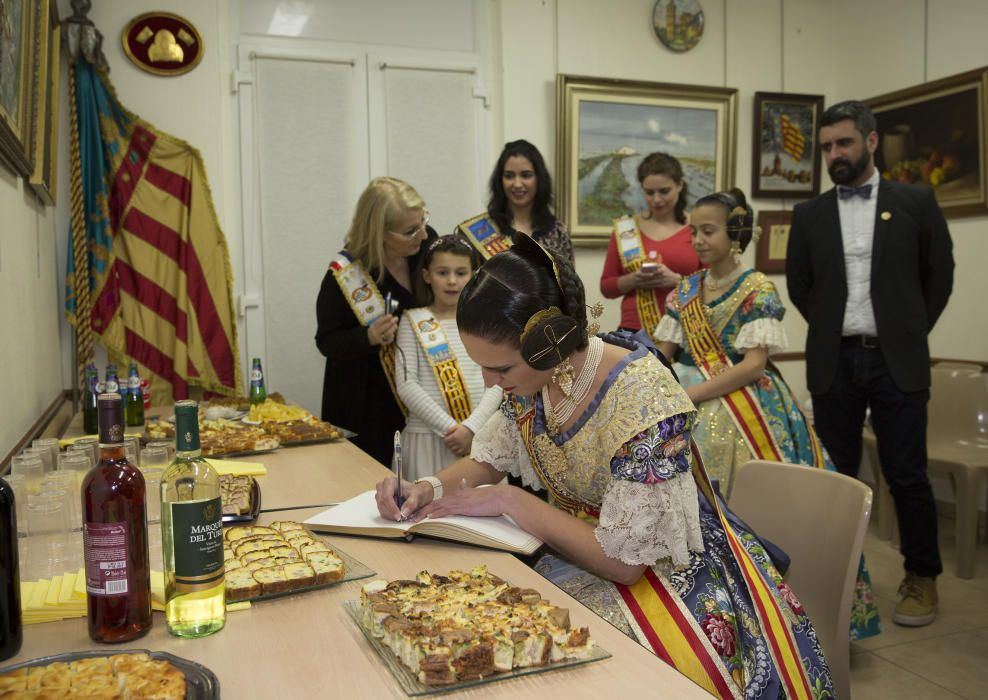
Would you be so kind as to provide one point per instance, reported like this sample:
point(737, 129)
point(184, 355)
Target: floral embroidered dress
point(626, 467)
point(749, 315)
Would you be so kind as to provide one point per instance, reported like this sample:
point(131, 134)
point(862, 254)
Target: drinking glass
point(91, 444)
point(51, 444)
point(167, 445)
point(66, 481)
point(77, 462)
point(46, 544)
point(33, 469)
point(18, 482)
point(44, 454)
point(152, 487)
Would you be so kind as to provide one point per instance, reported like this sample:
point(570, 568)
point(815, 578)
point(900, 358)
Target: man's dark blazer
point(912, 273)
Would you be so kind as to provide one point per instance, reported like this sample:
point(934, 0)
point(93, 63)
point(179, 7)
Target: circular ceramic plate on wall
point(162, 43)
point(678, 24)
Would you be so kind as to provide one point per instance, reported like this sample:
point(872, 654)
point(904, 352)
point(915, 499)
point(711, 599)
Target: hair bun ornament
point(738, 212)
point(549, 338)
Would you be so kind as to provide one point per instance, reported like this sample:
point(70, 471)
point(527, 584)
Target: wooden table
point(305, 645)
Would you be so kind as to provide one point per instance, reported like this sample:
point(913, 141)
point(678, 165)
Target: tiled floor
point(947, 659)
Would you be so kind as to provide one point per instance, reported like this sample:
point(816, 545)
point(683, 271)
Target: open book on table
point(359, 516)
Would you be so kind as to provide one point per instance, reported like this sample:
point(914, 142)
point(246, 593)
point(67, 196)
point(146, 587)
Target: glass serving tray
point(255, 507)
point(200, 682)
point(410, 683)
point(355, 570)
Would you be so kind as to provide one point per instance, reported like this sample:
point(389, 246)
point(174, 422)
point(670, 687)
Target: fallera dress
point(626, 466)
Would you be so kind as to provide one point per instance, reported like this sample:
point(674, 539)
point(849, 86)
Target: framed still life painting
point(785, 159)
point(936, 134)
point(605, 127)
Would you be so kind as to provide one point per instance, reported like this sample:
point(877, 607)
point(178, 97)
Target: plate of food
point(240, 497)
point(221, 437)
point(137, 673)
point(302, 432)
point(284, 558)
point(441, 633)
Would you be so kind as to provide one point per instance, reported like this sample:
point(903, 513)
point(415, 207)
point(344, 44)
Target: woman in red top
point(665, 253)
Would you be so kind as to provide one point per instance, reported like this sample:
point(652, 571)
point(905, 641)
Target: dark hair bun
point(550, 341)
point(738, 194)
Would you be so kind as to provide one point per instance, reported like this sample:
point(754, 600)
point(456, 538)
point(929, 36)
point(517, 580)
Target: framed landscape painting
point(936, 134)
point(605, 127)
point(785, 161)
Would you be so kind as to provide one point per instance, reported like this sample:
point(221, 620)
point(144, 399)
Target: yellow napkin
point(228, 466)
point(65, 442)
point(64, 596)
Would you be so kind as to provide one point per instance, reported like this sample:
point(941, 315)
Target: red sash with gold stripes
point(778, 635)
point(711, 359)
point(657, 610)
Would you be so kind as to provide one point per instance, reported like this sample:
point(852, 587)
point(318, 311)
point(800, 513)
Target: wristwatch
point(437, 486)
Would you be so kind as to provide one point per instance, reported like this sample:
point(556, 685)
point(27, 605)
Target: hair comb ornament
point(537, 318)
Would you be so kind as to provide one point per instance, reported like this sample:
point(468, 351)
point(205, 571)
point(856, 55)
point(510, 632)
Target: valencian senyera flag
point(160, 285)
point(793, 141)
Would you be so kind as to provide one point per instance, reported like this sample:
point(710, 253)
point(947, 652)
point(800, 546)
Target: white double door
point(317, 122)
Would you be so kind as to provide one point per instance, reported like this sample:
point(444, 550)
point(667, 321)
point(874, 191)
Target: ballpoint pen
point(396, 465)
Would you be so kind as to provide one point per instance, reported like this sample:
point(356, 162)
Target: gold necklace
point(713, 284)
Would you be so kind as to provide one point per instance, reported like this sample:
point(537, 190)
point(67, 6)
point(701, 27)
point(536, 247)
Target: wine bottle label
point(105, 546)
point(197, 534)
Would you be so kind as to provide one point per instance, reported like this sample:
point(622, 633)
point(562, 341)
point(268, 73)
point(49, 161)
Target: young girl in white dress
point(440, 386)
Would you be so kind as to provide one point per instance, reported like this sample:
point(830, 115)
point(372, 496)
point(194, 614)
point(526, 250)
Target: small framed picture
point(770, 253)
point(785, 161)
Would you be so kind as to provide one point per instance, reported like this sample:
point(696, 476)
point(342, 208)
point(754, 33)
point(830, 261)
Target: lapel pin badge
point(886, 215)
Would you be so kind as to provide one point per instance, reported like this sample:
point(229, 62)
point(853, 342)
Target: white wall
point(30, 351)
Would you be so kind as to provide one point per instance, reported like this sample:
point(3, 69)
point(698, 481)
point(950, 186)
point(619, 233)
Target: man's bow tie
point(864, 191)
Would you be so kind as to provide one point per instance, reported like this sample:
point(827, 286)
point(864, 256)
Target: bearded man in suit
point(870, 267)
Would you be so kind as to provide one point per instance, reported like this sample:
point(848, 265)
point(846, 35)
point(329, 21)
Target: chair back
point(819, 518)
point(958, 409)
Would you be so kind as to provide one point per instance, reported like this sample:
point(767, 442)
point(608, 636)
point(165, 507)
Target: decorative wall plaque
point(162, 43)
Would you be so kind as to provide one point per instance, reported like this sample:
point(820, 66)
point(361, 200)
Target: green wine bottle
point(192, 534)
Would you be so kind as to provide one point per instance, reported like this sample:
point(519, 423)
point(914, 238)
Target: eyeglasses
point(411, 233)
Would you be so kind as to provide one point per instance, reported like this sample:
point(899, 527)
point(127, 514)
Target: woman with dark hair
point(634, 529)
point(650, 253)
point(725, 322)
point(521, 202)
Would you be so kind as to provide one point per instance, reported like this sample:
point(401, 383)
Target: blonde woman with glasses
point(365, 290)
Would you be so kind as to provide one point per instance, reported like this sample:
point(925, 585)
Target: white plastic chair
point(819, 519)
point(957, 447)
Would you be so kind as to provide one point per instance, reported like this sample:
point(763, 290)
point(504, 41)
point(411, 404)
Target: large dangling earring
point(563, 376)
point(736, 252)
point(596, 311)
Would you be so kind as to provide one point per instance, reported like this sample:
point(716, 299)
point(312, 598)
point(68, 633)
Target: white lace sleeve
point(762, 333)
point(645, 523)
point(669, 330)
point(500, 445)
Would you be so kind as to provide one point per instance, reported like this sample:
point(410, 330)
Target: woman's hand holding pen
point(383, 330)
point(416, 496)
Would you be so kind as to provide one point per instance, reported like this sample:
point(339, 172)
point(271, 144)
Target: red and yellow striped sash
point(446, 368)
point(711, 359)
point(657, 611)
point(778, 635)
point(671, 632)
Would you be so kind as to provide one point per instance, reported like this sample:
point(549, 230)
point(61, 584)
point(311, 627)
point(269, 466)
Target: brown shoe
point(917, 604)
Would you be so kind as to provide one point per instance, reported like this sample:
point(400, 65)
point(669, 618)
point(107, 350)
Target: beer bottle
point(258, 393)
point(135, 398)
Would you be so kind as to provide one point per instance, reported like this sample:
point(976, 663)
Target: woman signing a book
point(634, 529)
